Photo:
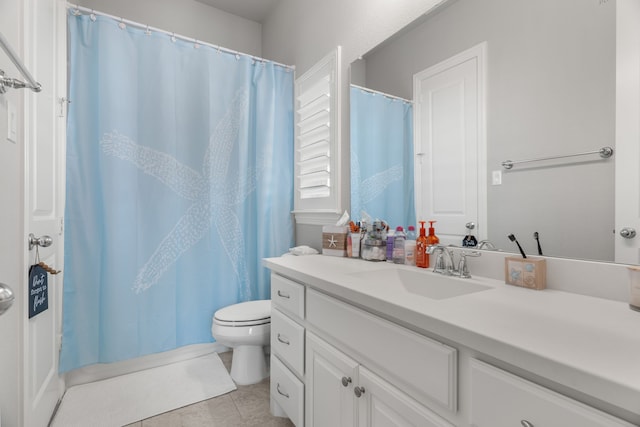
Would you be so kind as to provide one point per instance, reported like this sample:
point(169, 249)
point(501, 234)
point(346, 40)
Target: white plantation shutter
point(317, 136)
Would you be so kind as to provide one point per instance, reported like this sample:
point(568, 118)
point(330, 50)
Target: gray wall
point(301, 32)
point(551, 91)
point(187, 18)
point(11, 224)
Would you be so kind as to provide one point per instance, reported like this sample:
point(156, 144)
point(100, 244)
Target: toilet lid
point(245, 313)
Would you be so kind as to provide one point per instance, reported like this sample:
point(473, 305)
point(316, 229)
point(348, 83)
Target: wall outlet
point(496, 177)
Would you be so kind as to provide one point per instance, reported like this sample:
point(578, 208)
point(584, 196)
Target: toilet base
point(248, 365)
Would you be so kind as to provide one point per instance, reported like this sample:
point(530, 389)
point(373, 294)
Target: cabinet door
point(330, 378)
point(382, 405)
point(287, 341)
point(501, 399)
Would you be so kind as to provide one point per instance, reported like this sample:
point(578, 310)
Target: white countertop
point(587, 344)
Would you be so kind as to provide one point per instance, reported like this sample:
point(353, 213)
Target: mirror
point(550, 81)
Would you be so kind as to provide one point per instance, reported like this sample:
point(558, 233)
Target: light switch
point(12, 123)
point(496, 177)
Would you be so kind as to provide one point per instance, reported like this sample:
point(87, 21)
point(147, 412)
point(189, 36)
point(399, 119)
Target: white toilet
point(246, 328)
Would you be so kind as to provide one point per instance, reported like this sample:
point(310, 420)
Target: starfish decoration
point(214, 192)
point(332, 242)
point(372, 187)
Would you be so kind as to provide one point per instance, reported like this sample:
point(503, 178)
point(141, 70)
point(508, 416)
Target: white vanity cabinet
point(501, 399)
point(337, 361)
point(343, 393)
point(287, 349)
point(376, 373)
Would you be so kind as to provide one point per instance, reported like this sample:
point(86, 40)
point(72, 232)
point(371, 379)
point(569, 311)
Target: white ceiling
point(255, 10)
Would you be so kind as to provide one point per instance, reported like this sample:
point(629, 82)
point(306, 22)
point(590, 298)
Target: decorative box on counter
point(525, 272)
point(334, 240)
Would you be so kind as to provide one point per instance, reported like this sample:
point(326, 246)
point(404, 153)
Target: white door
point(330, 380)
point(45, 49)
point(383, 405)
point(449, 126)
point(627, 155)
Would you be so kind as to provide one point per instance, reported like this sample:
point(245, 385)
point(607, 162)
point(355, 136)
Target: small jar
point(374, 249)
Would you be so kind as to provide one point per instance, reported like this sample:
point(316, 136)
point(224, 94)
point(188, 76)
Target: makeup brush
point(513, 239)
point(535, 236)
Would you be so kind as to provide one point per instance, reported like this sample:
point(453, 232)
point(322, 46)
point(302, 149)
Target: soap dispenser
point(422, 257)
point(432, 239)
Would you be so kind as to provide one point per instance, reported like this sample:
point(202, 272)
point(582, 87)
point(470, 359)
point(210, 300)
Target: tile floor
point(245, 407)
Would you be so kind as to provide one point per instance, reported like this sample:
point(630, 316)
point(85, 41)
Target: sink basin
point(434, 286)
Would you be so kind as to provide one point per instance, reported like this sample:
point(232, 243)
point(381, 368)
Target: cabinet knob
point(359, 391)
point(346, 381)
point(526, 423)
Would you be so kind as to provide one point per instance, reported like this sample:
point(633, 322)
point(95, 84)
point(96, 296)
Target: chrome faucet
point(441, 265)
point(463, 268)
point(448, 266)
point(485, 244)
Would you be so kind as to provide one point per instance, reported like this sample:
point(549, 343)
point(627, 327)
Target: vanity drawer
point(501, 399)
point(287, 295)
point(287, 341)
point(287, 391)
point(421, 367)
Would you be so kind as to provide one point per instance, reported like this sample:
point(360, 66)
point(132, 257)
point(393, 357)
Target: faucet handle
point(440, 265)
point(463, 268)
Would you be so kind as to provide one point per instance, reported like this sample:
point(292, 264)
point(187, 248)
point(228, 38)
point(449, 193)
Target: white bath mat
point(122, 400)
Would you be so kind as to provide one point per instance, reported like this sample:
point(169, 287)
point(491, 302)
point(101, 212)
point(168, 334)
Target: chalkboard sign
point(38, 290)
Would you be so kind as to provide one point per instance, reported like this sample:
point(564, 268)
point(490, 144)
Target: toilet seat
point(251, 313)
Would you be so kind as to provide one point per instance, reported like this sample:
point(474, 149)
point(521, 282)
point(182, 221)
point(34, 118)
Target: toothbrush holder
point(528, 273)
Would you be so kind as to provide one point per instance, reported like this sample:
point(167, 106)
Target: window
point(317, 135)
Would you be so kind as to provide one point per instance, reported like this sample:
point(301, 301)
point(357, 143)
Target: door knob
point(42, 241)
point(6, 298)
point(628, 232)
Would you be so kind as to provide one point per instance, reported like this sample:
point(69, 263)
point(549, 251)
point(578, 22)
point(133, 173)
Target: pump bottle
point(422, 257)
point(432, 239)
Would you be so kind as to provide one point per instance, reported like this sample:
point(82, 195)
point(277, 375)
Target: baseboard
point(103, 371)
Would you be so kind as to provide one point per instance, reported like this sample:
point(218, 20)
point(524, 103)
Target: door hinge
point(61, 226)
point(64, 102)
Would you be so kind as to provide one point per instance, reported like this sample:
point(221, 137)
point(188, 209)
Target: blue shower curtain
point(179, 180)
point(382, 158)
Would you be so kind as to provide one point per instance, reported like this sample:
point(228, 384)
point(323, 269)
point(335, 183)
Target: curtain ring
point(93, 16)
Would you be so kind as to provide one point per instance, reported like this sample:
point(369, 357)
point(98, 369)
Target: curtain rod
point(78, 9)
point(9, 82)
point(375, 92)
